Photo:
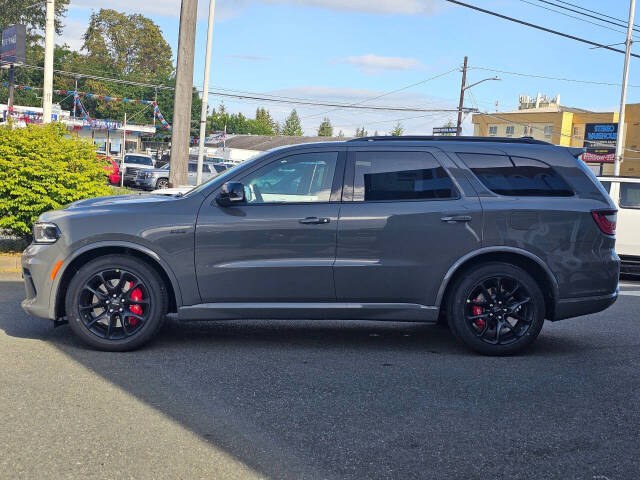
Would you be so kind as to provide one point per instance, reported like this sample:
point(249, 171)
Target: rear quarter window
point(516, 176)
point(629, 195)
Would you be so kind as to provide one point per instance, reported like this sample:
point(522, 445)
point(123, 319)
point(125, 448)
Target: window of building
point(516, 176)
point(548, 131)
point(510, 130)
point(629, 195)
point(383, 176)
point(302, 178)
point(493, 131)
point(576, 131)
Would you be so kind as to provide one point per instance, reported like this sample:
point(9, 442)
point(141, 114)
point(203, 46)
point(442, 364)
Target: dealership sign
point(13, 45)
point(600, 141)
point(444, 130)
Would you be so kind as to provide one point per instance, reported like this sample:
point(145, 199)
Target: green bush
point(41, 170)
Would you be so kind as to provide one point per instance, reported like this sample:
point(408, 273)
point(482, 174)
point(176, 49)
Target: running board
point(402, 312)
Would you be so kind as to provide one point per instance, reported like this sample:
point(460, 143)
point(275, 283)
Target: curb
point(10, 263)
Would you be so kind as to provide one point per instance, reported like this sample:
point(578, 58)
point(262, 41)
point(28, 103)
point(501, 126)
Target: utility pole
point(47, 90)
point(462, 89)
point(10, 92)
point(183, 94)
point(205, 93)
point(623, 95)
point(124, 149)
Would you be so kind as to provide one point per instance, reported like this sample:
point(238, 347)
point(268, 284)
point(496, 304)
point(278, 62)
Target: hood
point(128, 200)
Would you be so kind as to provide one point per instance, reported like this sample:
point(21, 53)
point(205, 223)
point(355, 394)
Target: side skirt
point(402, 312)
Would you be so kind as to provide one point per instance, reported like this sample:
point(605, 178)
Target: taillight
point(606, 220)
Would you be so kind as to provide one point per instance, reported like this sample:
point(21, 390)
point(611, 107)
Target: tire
point(162, 183)
point(143, 311)
point(481, 314)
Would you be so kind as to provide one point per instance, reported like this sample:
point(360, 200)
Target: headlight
point(45, 233)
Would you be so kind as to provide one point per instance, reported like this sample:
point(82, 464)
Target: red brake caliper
point(477, 310)
point(136, 296)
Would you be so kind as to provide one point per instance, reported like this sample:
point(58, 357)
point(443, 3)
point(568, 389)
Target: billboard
point(13, 45)
point(600, 142)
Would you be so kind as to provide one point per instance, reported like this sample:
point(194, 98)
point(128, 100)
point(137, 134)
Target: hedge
point(41, 170)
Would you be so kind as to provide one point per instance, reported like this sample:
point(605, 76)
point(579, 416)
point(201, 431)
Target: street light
point(464, 88)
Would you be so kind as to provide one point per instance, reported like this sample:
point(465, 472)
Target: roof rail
point(436, 138)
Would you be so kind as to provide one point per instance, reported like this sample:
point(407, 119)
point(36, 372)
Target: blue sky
point(350, 50)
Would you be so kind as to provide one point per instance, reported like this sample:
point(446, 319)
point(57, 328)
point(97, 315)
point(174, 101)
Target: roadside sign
point(13, 45)
point(600, 142)
point(444, 130)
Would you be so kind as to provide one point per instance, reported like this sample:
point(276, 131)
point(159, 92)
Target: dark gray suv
point(490, 235)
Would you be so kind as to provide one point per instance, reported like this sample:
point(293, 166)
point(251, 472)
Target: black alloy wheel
point(496, 308)
point(116, 302)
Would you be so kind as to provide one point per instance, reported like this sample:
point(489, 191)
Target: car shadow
point(301, 399)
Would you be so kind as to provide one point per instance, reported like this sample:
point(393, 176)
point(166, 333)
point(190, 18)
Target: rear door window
point(516, 176)
point(384, 176)
point(629, 195)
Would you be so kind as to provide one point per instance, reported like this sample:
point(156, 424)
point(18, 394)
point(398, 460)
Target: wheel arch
point(90, 252)
point(515, 256)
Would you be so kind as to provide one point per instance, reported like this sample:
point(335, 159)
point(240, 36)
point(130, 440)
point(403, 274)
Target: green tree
point(32, 14)
point(131, 44)
point(361, 132)
point(397, 131)
point(292, 125)
point(264, 124)
point(41, 170)
point(325, 129)
point(340, 134)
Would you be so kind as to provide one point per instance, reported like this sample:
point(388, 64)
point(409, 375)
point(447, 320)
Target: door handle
point(314, 221)
point(456, 218)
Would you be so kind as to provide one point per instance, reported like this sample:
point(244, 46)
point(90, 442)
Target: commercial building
point(107, 135)
point(544, 118)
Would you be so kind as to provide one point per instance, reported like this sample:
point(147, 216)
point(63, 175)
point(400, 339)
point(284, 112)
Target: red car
point(113, 171)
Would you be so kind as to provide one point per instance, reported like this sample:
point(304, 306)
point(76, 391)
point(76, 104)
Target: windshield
point(226, 174)
point(165, 167)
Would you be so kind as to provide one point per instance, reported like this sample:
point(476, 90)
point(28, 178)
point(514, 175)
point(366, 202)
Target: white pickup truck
point(625, 193)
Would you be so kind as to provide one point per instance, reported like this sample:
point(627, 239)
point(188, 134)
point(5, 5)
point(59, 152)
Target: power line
point(562, 79)
point(539, 27)
point(624, 22)
point(573, 16)
point(623, 25)
point(387, 93)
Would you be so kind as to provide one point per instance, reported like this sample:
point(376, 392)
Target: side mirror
point(232, 193)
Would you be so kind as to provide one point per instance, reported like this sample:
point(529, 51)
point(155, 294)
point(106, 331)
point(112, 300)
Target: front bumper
point(37, 264)
point(146, 183)
point(576, 307)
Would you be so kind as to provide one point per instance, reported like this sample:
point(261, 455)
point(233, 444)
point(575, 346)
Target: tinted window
point(307, 177)
point(193, 168)
point(400, 176)
point(205, 168)
point(517, 176)
point(629, 195)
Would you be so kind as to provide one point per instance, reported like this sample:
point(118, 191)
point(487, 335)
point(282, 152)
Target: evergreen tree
point(340, 134)
point(292, 125)
point(361, 132)
point(397, 131)
point(375, 134)
point(325, 129)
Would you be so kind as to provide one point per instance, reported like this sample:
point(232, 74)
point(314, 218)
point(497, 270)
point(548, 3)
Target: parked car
point(625, 193)
point(158, 178)
point(490, 235)
point(131, 164)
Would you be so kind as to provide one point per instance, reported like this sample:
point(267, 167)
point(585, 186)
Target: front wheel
point(162, 183)
point(116, 303)
point(496, 309)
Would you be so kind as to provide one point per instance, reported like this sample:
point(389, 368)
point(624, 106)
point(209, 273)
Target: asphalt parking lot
point(320, 400)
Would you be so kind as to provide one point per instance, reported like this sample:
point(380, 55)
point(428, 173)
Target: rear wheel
point(496, 309)
point(116, 303)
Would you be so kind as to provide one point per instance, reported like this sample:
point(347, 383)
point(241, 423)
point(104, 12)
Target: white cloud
point(371, 64)
point(230, 8)
point(72, 34)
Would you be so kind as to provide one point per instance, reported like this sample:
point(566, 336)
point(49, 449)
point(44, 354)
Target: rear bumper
point(575, 307)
